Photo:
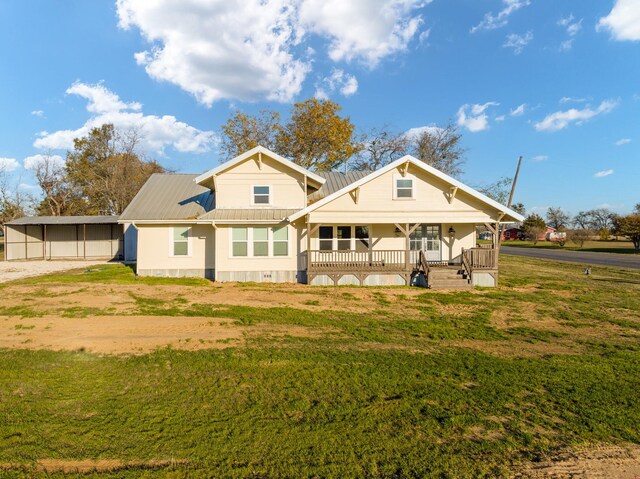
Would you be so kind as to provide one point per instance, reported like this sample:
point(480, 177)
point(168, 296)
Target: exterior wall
point(130, 242)
point(234, 188)
point(371, 280)
point(430, 204)
point(485, 278)
point(257, 269)
point(64, 242)
point(155, 243)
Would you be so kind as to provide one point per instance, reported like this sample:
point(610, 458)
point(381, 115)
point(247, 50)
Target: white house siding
point(155, 250)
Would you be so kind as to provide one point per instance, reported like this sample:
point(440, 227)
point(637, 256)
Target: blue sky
point(557, 82)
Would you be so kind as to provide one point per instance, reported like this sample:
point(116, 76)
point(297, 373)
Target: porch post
point(407, 247)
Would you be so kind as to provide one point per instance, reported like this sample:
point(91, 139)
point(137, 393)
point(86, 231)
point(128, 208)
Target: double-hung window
point(403, 188)
point(343, 238)
point(259, 241)
point(180, 241)
point(261, 195)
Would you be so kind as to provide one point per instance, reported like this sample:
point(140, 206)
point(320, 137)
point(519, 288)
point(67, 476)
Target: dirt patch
point(599, 462)
point(135, 334)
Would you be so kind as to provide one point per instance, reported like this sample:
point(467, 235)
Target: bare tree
point(579, 236)
point(498, 191)
point(58, 193)
point(441, 148)
point(13, 202)
point(379, 147)
point(557, 219)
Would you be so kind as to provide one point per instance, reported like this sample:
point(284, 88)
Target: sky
point(554, 81)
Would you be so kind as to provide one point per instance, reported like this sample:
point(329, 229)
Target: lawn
point(596, 246)
point(322, 381)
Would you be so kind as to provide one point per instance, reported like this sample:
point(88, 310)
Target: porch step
point(448, 278)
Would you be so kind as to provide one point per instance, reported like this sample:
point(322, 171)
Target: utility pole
point(513, 189)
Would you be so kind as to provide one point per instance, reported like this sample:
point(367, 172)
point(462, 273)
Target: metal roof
point(64, 220)
point(335, 181)
point(169, 197)
point(254, 214)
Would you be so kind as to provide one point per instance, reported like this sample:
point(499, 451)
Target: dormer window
point(261, 195)
point(403, 188)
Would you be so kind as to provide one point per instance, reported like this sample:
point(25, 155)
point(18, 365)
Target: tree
point(629, 226)
point(519, 208)
point(440, 148)
point(579, 236)
point(13, 203)
point(316, 137)
point(60, 198)
point(498, 191)
point(105, 172)
point(636, 209)
point(534, 227)
point(242, 132)
point(557, 219)
point(380, 147)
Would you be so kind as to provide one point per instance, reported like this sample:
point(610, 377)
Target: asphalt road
point(581, 257)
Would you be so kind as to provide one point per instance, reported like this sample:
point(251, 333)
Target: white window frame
point(253, 195)
point(270, 242)
point(189, 242)
point(396, 178)
point(334, 236)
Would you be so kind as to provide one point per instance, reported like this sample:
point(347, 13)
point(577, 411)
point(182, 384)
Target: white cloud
point(255, 49)
point(340, 81)
point(32, 162)
point(8, 164)
point(38, 113)
point(474, 117)
point(517, 42)
point(623, 22)
point(562, 119)
point(623, 141)
point(501, 118)
point(602, 174)
point(540, 158)
point(156, 132)
point(414, 133)
point(491, 21)
point(519, 110)
point(568, 99)
point(573, 27)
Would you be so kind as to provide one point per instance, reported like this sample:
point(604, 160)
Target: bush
point(579, 236)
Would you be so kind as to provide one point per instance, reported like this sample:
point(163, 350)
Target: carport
point(63, 237)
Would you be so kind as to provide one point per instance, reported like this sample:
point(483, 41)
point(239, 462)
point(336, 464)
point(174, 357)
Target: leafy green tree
point(440, 148)
point(534, 227)
point(629, 226)
point(317, 137)
point(242, 132)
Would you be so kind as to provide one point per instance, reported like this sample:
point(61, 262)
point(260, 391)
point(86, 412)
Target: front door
point(427, 238)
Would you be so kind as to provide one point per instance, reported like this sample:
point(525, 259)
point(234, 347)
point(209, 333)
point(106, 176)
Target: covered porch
point(396, 253)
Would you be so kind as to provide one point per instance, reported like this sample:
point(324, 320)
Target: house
point(260, 217)
point(513, 234)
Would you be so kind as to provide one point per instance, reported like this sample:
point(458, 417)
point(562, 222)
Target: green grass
point(432, 386)
point(596, 246)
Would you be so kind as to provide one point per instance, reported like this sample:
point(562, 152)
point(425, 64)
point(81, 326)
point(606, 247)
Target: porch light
point(452, 232)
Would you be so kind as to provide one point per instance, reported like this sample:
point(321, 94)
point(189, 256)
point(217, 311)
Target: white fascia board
point(248, 154)
point(420, 164)
point(168, 222)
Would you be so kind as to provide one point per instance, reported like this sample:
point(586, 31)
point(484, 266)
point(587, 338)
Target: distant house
point(511, 234)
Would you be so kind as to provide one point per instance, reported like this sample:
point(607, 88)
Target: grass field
point(596, 246)
point(375, 382)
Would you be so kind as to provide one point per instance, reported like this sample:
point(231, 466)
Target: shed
point(64, 237)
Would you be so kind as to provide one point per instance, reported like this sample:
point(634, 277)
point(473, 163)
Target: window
point(325, 235)
point(261, 195)
point(404, 188)
point(280, 241)
point(180, 241)
point(260, 241)
point(239, 241)
point(343, 238)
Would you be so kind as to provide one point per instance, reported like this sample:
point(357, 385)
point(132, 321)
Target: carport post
point(84, 240)
point(44, 241)
point(26, 249)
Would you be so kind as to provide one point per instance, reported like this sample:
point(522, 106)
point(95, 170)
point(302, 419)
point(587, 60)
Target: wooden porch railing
point(357, 261)
point(479, 258)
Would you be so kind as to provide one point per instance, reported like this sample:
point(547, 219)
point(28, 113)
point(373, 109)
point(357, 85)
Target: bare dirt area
point(133, 334)
point(600, 462)
point(11, 270)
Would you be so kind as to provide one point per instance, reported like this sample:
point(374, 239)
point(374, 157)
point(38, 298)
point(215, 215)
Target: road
point(582, 257)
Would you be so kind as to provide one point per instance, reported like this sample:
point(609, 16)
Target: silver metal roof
point(169, 197)
point(335, 181)
point(64, 220)
point(254, 214)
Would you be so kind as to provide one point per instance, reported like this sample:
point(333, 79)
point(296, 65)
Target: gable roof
point(335, 181)
point(169, 197)
point(421, 165)
point(248, 154)
point(64, 220)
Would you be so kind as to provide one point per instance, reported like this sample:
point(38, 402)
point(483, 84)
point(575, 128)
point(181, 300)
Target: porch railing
point(358, 261)
point(479, 258)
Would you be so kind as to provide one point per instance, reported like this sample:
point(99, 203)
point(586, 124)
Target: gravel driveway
point(10, 270)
